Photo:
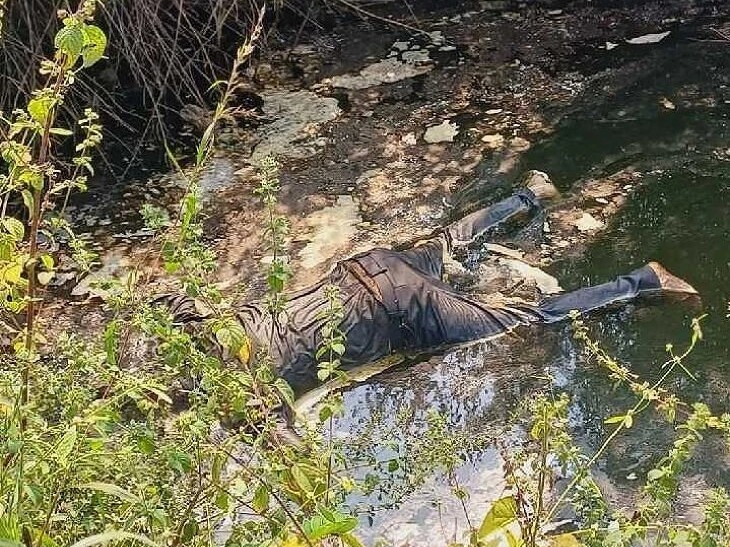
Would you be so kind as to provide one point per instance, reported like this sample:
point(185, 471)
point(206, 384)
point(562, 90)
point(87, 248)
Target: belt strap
point(356, 269)
point(378, 279)
point(382, 278)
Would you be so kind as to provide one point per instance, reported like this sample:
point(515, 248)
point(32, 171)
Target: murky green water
point(680, 216)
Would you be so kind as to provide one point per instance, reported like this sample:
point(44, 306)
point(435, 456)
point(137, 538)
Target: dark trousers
point(426, 312)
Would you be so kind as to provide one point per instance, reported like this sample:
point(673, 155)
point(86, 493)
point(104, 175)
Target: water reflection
point(679, 217)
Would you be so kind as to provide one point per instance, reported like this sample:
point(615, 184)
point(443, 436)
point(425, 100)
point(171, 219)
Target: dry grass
point(162, 53)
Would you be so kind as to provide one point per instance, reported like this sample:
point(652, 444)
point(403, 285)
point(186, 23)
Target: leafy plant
point(530, 472)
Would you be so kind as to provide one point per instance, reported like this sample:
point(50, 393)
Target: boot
point(540, 185)
point(670, 283)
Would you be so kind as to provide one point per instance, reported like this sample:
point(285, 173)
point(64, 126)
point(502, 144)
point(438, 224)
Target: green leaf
point(222, 501)
point(60, 131)
point(230, 336)
point(338, 348)
point(179, 461)
point(301, 479)
point(39, 108)
point(512, 541)
point(500, 515)
point(146, 444)
point(14, 227)
point(614, 420)
point(564, 540)
point(106, 537)
point(111, 339)
point(10, 543)
point(189, 531)
point(27, 199)
point(112, 490)
point(351, 541)
point(12, 274)
point(70, 40)
point(285, 390)
point(260, 502)
point(94, 44)
point(66, 444)
point(47, 261)
point(332, 523)
point(654, 474)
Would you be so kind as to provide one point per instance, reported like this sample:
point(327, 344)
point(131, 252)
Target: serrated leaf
point(39, 108)
point(112, 490)
point(14, 227)
point(179, 461)
point(70, 40)
point(500, 515)
point(94, 44)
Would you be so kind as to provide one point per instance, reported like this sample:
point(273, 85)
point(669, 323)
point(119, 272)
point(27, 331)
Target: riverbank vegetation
point(162, 55)
point(147, 433)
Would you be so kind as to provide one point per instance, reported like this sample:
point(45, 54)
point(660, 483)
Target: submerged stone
point(387, 71)
point(296, 116)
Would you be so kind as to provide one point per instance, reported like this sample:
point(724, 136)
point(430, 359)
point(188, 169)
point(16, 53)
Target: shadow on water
point(678, 216)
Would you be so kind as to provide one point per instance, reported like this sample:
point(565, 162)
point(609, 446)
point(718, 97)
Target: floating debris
point(648, 38)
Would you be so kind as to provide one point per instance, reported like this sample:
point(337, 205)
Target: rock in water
point(588, 223)
point(444, 132)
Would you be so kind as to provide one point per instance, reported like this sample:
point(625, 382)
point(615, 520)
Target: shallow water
point(668, 119)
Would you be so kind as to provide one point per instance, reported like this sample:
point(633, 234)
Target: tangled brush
point(162, 54)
